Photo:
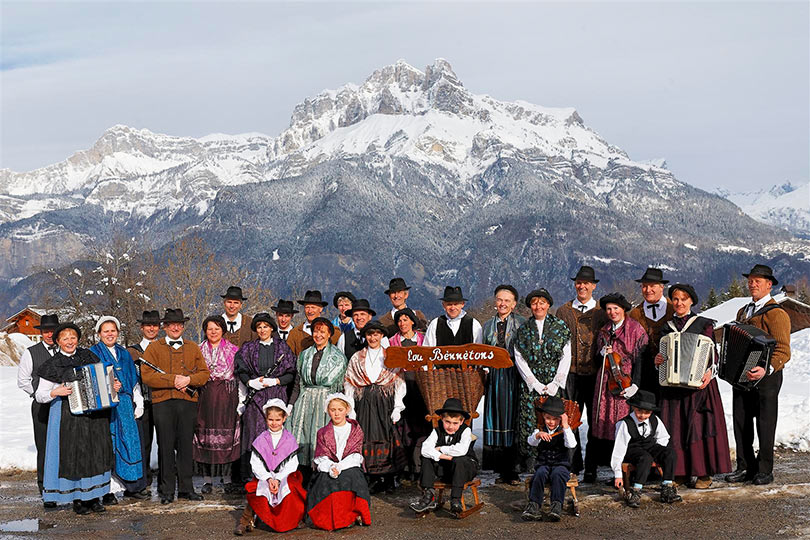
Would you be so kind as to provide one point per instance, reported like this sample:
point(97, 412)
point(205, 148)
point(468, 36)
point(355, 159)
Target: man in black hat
point(455, 327)
point(762, 401)
point(238, 325)
point(584, 318)
point(150, 328)
point(652, 314)
point(284, 313)
point(27, 379)
point(398, 292)
point(361, 313)
point(642, 438)
point(300, 337)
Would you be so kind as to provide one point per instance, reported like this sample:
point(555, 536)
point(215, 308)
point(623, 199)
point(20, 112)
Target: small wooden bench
point(572, 484)
point(628, 468)
point(466, 510)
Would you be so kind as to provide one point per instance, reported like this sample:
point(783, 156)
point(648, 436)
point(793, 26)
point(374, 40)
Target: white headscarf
point(108, 318)
point(275, 402)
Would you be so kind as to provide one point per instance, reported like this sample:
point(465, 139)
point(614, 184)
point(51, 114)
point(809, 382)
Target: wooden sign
point(473, 354)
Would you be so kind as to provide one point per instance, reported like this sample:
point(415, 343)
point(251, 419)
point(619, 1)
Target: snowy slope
point(783, 205)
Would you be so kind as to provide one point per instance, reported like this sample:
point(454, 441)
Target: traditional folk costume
point(391, 328)
point(461, 330)
point(79, 449)
point(378, 393)
point(694, 418)
point(146, 422)
point(542, 357)
point(502, 400)
point(28, 380)
point(217, 435)
point(175, 410)
point(337, 502)
point(318, 374)
point(274, 457)
point(128, 470)
point(300, 338)
point(239, 329)
point(273, 360)
point(552, 463)
point(762, 401)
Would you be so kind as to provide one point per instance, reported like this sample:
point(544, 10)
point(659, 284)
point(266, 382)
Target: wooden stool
point(572, 484)
point(627, 468)
point(465, 510)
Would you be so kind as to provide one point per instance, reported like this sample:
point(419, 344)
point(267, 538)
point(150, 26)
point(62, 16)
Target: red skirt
point(287, 515)
point(335, 503)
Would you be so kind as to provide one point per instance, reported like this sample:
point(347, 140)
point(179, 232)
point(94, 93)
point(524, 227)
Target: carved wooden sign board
point(473, 354)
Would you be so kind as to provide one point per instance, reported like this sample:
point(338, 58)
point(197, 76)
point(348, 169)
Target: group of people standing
point(223, 404)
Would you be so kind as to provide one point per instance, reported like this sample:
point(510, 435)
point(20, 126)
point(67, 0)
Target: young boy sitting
point(642, 438)
point(447, 453)
point(554, 441)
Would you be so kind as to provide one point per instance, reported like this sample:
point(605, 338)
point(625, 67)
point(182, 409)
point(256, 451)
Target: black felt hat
point(173, 316)
point(48, 322)
point(453, 405)
point(539, 293)
point(66, 326)
point(395, 285)
point(263, 317)
point(553, 406)
point(313, 297)
point(585, 273)
point(688, 289)
point(452, 294)
point(405, 312)
point(150, 317)
point(763, 271)
point(360, 305)
point(652, 275)
point(643, 400)
point(373, 325)
point(324, 320)
point(615, 298)
point(505, 287)
point(347, 294)
point(233, 293)
point(284, 306)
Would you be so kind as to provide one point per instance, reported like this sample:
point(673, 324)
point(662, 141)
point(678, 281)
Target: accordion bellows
point(687, 356)
point(437, 385)
point(744, 347)
point(93, 390)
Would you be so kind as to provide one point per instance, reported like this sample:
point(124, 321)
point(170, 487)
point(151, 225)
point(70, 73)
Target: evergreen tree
point(736, 289)
point(712, 300)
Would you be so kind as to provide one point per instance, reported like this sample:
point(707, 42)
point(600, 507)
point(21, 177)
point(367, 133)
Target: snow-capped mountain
point(784, 205)
point(406, 174)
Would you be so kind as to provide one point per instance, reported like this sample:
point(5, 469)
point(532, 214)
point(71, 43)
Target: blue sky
point(718, 89)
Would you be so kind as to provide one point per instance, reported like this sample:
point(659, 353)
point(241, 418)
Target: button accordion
point(686, 359)
point(92, 389)
point(744, 347)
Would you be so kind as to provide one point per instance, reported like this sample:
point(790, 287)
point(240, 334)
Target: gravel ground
point(725, 511)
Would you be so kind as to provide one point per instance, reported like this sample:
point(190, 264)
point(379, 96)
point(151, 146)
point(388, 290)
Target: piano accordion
point(687, 357)
point(744, 347)
point(93, 389)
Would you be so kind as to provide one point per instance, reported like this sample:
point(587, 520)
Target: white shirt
point(568, 437)
point(374, 367)
point(287, 330)
point(268, 342)
point(237, 320)
point(757, 305)
point(307, 327)
point(623, 439)
point(43, 393)
point(453, 324)
point(25, 371)
point(660, 309)
point(324, 464)
point(263, 475)
point(589, 305)
point(168, 339)
point(560, 377)
point(429, 449)
point(145, 343)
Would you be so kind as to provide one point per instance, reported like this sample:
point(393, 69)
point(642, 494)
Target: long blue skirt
point(62, 490)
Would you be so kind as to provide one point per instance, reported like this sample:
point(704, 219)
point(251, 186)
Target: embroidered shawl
point(542, 355)
point(357, 377)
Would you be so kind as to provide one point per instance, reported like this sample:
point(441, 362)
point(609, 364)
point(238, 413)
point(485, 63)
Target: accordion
point(744, 347)
point(93, 389)
point(687, 357)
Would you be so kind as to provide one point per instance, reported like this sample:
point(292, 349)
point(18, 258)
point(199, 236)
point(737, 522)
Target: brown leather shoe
point(245, 522)
point(703, 482)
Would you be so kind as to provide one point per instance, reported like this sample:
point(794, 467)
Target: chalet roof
point(37, 310)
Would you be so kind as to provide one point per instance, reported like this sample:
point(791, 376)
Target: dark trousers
point(39, 414)
point(664, 456)
point(761, 403)
point(146, 428)
point(174, 423)
point(557, 475)
point(457, 472)
point(580, 388)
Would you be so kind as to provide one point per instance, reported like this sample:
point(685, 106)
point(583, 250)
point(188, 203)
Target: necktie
point(643, 427)
point(582, 308)
point(653, 308)
point(749, 310)
point(231, 326)
point(51, 348)
point(283, 334)
point(173, 343)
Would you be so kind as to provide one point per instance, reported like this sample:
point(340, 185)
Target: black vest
point(443, 439)
point(39, 355)
point(352, 344)
point(444, 336)
point(636, 440)
point(553, 453)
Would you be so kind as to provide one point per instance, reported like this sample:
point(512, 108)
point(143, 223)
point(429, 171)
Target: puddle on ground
point(25, 525)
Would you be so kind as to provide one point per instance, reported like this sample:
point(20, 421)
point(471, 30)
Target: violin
point(617, 381)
